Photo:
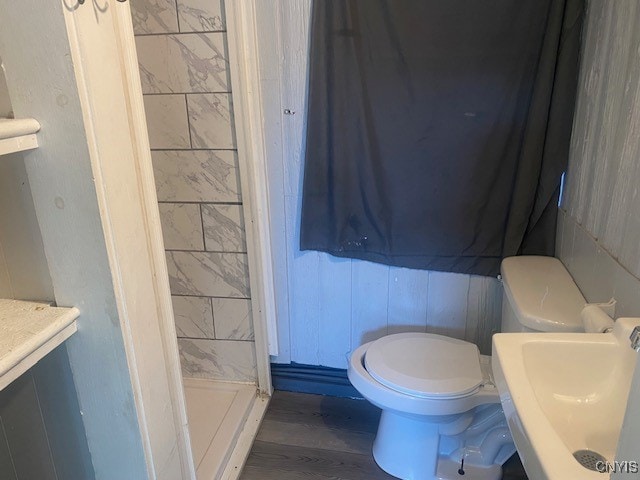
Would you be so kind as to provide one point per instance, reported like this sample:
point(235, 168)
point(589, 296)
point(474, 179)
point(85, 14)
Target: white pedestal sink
point(563, 393)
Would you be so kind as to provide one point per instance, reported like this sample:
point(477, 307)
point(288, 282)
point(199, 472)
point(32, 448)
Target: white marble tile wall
point(218, 359)
point(184, 69)
point(171, 16)
point(208, 274)
point(197, 176)
point(223, 228)
point(211, 120)
point(154, 16)
point(181, 226)
point(167, 121)
point(194, 317)
point(194, 62)
point(201, 15)
point(233, 318)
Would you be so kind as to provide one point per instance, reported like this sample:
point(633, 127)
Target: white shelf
point(28, 332)
point(18, 134)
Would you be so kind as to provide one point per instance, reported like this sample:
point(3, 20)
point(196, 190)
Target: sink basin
point(563, 393)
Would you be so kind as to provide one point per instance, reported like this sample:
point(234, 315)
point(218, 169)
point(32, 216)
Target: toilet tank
point(539, 296)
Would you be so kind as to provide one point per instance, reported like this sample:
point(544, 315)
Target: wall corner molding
point(247, 103)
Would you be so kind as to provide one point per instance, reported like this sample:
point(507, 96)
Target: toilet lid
point(425, 365)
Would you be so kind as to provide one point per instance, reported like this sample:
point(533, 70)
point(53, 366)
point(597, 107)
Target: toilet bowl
point(441, 413)
point(436, 410)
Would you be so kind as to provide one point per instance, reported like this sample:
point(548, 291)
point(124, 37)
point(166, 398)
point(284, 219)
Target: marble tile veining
point(201, 15)
point(232, 318)
point(167, 121)
point(193, 317)
point(154, 16)
point(181, 226)
point(196, 176)
point(208, 274)
point(211, 120)
point(223, 228)
point(183, 63)
point(184, 71)
point(218, 359)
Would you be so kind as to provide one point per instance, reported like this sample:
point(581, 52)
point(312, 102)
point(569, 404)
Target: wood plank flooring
point(311, 437)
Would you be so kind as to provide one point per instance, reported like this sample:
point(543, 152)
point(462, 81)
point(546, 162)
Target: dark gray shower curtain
point(438, 130)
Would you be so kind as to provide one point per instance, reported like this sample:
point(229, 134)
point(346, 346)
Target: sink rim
point(514, 386)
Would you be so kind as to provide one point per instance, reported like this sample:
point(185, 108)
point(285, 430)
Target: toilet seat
point(425, 365)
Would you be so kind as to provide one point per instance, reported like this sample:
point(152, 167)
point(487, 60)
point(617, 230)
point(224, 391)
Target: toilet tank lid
point(542, 293)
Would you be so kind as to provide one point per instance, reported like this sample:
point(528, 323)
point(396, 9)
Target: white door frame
point(105, 172)
point(249, 130)
point(132, 82)
point(247, 107)
point(241, 27)
point(162, 414)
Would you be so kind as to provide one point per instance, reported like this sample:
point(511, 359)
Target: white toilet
point(439, 403)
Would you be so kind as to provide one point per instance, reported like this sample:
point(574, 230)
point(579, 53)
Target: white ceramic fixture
point(439, 404)
point(564, 393)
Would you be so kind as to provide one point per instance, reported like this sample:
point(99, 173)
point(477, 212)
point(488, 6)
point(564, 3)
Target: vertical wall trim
point(153, 230)
point(163, 438)
point(245, 81)
point(84, 95)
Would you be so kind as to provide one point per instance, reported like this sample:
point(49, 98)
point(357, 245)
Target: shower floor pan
point(223, 419)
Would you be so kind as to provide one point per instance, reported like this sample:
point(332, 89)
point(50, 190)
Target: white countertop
point(28, 332)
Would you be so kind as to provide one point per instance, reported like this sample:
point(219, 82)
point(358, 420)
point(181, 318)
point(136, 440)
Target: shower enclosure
point(73, 67)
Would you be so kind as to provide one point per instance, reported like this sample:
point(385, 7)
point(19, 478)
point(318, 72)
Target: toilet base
point(406, 448)
point(448, 470)
point(411, 447)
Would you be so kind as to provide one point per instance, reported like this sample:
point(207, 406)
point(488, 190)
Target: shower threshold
point(223, 420)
